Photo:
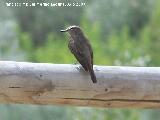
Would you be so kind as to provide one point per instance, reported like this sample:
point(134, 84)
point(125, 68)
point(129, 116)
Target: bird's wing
point(91, 52)
point(78, 54)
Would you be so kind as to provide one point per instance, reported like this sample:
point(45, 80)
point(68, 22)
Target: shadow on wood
point(64, 84)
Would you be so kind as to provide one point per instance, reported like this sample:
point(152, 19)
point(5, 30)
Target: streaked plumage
point(81, 49)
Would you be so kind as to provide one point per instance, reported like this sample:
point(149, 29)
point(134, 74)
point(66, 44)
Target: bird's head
point(72, 30)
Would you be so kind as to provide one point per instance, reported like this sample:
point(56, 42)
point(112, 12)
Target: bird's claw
point(80, 68)
point(75, 63)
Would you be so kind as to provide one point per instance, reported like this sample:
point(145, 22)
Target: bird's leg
point(75, 63)
point(80, 68)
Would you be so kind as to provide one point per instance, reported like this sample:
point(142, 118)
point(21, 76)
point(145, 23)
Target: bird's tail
point(93, 76)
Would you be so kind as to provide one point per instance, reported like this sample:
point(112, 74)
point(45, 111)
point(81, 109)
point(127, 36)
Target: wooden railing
point(65, 84)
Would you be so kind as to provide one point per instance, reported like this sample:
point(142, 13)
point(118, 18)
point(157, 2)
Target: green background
point(122, 32)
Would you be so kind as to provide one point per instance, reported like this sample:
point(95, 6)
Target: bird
point(81, 48)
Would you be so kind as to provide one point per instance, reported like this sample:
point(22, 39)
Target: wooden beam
point(64, 84)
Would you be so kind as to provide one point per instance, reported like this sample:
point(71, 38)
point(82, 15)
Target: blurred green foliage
point(121, 33)
point(105, 114)
point(118, 48)
point(40, 21)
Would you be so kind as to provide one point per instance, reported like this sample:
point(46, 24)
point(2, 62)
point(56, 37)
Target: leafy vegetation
point(121, 33)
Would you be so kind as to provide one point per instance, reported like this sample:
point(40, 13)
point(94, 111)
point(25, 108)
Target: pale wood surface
point(64, 84)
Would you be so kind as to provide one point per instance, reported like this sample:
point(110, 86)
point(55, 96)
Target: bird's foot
point(75, 63)
point(80, 68)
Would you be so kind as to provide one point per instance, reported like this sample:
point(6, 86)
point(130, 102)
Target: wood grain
point(65, 84)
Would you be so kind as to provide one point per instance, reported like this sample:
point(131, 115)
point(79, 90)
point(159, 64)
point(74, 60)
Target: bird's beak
point(64, 30)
